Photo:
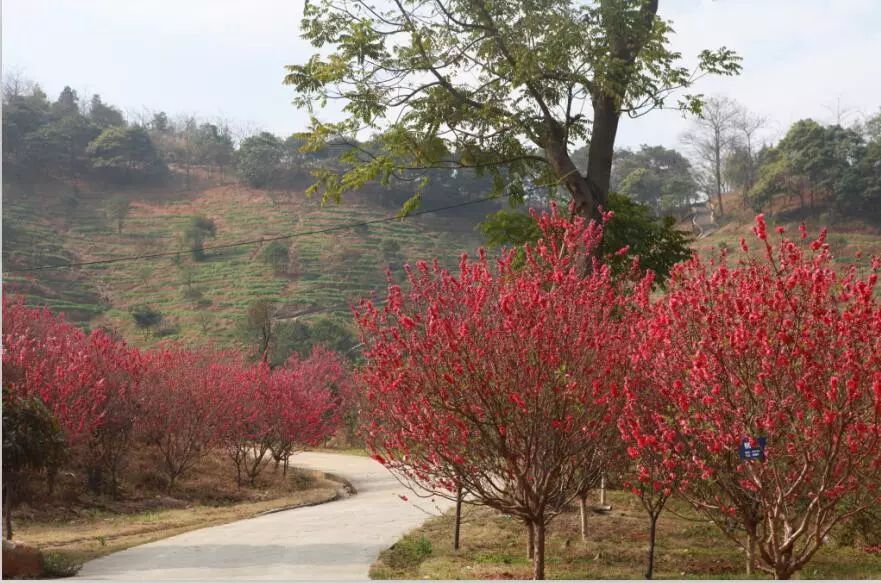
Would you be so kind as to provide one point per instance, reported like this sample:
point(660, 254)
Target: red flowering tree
point(774, 369)
point(498, 380)
point(46, 357)
point(309, 396)
point(184, 405)
point(120, 369)
point(249, 417)
point(647, 425)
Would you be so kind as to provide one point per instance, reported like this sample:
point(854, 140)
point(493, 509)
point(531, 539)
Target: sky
point(225, 58)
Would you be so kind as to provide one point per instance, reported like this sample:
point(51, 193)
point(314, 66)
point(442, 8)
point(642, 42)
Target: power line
point(253, 241)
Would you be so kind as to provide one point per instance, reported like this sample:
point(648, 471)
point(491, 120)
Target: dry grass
point(493, 547)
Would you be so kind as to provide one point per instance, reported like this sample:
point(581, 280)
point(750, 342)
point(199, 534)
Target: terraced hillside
point(201, 301)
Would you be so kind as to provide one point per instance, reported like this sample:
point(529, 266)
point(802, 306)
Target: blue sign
point(748, 452)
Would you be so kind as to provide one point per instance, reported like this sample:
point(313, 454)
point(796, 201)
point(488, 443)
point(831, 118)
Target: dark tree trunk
point(538, 560)
point(602, 148)
point(650, 565)
point(582, 505)
point(7, 510)
point(585, 202)
point(458, 518)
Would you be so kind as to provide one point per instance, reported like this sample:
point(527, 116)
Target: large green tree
point(124, 154)
point(655, 176)
point(812, 160)
point(103, 115)
point(259, 158)
point(504, 87)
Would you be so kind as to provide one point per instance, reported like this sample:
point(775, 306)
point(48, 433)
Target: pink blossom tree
point(772, 368)
point(503, 382)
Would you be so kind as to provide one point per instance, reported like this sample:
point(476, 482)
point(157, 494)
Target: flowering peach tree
point(771, 371)
point(502, 381)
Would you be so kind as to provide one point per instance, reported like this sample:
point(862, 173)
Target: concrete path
point(337, 540)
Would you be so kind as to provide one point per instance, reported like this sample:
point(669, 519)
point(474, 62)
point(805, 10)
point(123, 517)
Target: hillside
point(846, 236)
point(202, 300)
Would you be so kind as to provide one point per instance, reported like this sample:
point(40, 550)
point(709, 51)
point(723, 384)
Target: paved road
point(337, 540)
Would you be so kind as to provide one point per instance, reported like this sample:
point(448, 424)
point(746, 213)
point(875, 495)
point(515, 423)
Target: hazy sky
point(226, 57)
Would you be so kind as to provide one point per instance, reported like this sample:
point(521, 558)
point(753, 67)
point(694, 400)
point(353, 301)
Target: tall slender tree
point(711, 138)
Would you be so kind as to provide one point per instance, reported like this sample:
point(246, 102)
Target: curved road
point(336, 540)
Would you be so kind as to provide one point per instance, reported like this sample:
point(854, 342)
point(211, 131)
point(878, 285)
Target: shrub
point(276, 255)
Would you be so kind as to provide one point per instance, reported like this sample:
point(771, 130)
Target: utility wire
point(254, 241)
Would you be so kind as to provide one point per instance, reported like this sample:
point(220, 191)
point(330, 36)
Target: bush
point(276, 255)
point(199, 229)
point(32, 441)
point(408, 552)
point(145, 317)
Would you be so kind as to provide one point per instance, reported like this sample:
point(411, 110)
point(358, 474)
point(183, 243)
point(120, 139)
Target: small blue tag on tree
point(752, 449)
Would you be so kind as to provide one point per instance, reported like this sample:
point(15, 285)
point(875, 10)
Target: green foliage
point(299, 336)
point(276, 255)
point(655, 240)
point(212, 145)
point(498, 87)
point(814, 159)
point(123, 155)
point(32, 438)
point(23, 114)
point(103, 115)
point(145, 317)
point(197, 230)
point(858, 189)
point(58, 148)
point(408, 552)
point(872, 128)
point(67, 104)
point(117, 209)
point(508, 227)
point(659, 177)
point(57, 565)
point(258, 159)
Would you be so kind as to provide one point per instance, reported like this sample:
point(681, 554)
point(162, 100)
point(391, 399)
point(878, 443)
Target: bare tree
point(748, 126)
point(710, 138)
point(838, 112)
point(15, 84)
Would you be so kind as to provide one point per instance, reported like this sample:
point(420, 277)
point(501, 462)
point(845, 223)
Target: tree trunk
point(782, 573)
point(538, 560)
point(602, 148)
point(750, 555)
point(530, 543)
point(458, 518)
point(650, 566)
point(582, 506)
point(7, 510)
point(585, 201)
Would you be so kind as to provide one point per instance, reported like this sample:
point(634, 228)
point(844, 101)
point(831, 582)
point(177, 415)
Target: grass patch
point(493, 546)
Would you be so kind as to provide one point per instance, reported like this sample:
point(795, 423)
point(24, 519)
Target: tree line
point(824, 167)
point(749, 388)
point(86, 402)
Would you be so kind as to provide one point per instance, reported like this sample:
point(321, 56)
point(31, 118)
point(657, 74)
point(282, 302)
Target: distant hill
point(200, 301)
point(846, 236)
